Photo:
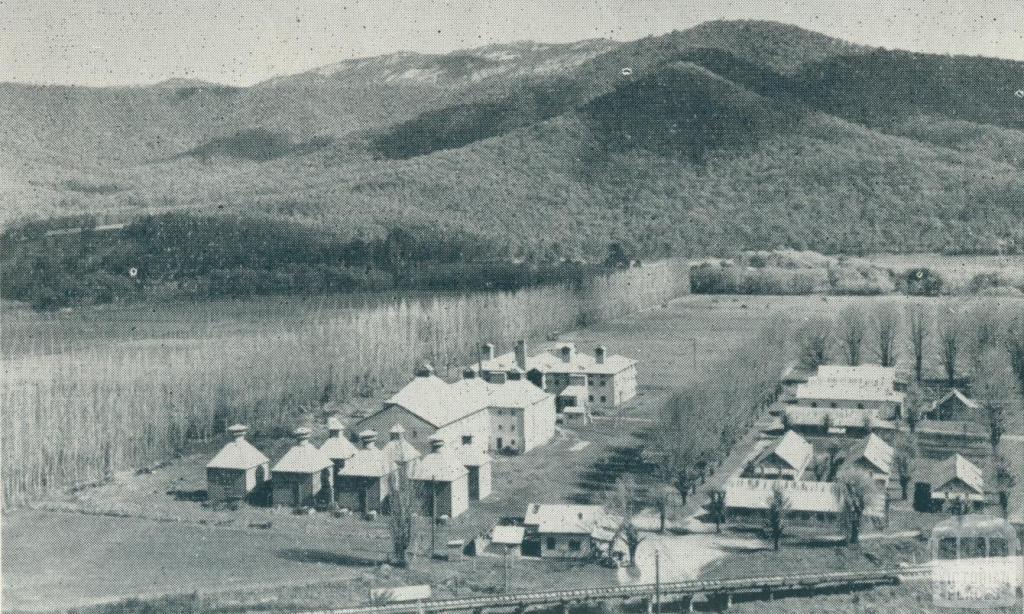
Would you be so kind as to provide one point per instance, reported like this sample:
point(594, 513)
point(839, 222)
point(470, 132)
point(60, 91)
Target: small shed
point(478, 464)
point(441, 482)
point(362, 484)
point(237, 470)
point(304, 475)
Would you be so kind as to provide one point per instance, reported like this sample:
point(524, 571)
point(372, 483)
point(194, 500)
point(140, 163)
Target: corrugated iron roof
point(507, 536)
point(549, 362)
point(338, 447)
point(439, 466)
point(303, 457)
point(369, 462)
point(875, 451)
point(237, 454)
point(955, 392)
point(958, 467)
point(568, 518)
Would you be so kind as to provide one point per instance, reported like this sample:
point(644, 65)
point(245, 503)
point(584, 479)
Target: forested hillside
point(728, 136)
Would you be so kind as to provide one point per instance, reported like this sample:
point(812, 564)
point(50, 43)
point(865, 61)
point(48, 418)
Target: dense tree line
point(210, 256)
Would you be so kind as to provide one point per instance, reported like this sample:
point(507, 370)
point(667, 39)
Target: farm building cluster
point(440, 434)
point(839, 419)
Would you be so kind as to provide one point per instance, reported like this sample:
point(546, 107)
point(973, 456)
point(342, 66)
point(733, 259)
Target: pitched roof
point(793, 449)
point(512, 393)
point(851, 383)
point(875, 451)
point(568, 518)
point(338, 447)
point(400, 450)
point(237, 454)
point(425, 396)
point(548, 361)
point(303, 457)
point(958, 467)
point(369, 462)
point(440, 466)
point(955, 393)
point(803, 496)
point(508, 536)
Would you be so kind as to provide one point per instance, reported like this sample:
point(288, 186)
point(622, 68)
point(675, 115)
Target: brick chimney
point(521, 354)
point(600, 352)
point(396, 432)
point(238, 431)
point(487, 351)
point(567, 352)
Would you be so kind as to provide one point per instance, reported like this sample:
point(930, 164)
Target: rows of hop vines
point(75, 413)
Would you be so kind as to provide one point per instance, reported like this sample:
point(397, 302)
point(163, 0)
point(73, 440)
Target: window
point(834, 405)
point(415, 434)
point(552, 543)
point(512, 443)
point(467, 439)
point(591, 397)
point(860, 406)
point(575, 545)
point(604, 399)
point(512, 428)
point(501, 427)
point(814, 404)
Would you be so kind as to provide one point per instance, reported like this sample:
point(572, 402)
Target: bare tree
point(716, 509)
point(1014, 342)
point(1004, 482)
point(621, 500)
point(886, 326)
point(664, 496)
point(833, 455)
point(817, 340)
point(913, 400)
point(775, 522)
point(858, 490)
point(852, 329)
point(631, 535)
point(994, 387)
point(919, 320)
point(950, 340)
point(984, 326)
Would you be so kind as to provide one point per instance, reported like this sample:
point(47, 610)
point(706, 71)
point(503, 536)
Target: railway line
point(679, 593)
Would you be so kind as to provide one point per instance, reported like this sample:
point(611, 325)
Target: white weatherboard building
point(570, 531)
point(785, 459)
point(509, 415)
point(237, 470)
point(609, 379)
point(812, 503)
point(868, 388)
point(957, 478)
point(873, 455)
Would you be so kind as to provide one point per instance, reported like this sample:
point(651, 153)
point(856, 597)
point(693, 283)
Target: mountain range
point(730, 135)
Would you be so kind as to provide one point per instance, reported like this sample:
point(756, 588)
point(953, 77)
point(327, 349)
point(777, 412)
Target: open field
point(957, 271)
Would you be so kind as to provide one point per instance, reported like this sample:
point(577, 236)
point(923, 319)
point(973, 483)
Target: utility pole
point(504, 582)
point(693, 341)
point(657, 581)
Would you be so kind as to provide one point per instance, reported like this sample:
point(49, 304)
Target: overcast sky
point(109, 42)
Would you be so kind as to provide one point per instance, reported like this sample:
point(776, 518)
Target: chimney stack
point(599, 354)
point(334, 426)
point(487, 351)
point(436, 443)
point(521, 354)
point(567, 352)
point(238, 431)
point(302, 435)
point(367, 438)
point(425, 370)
